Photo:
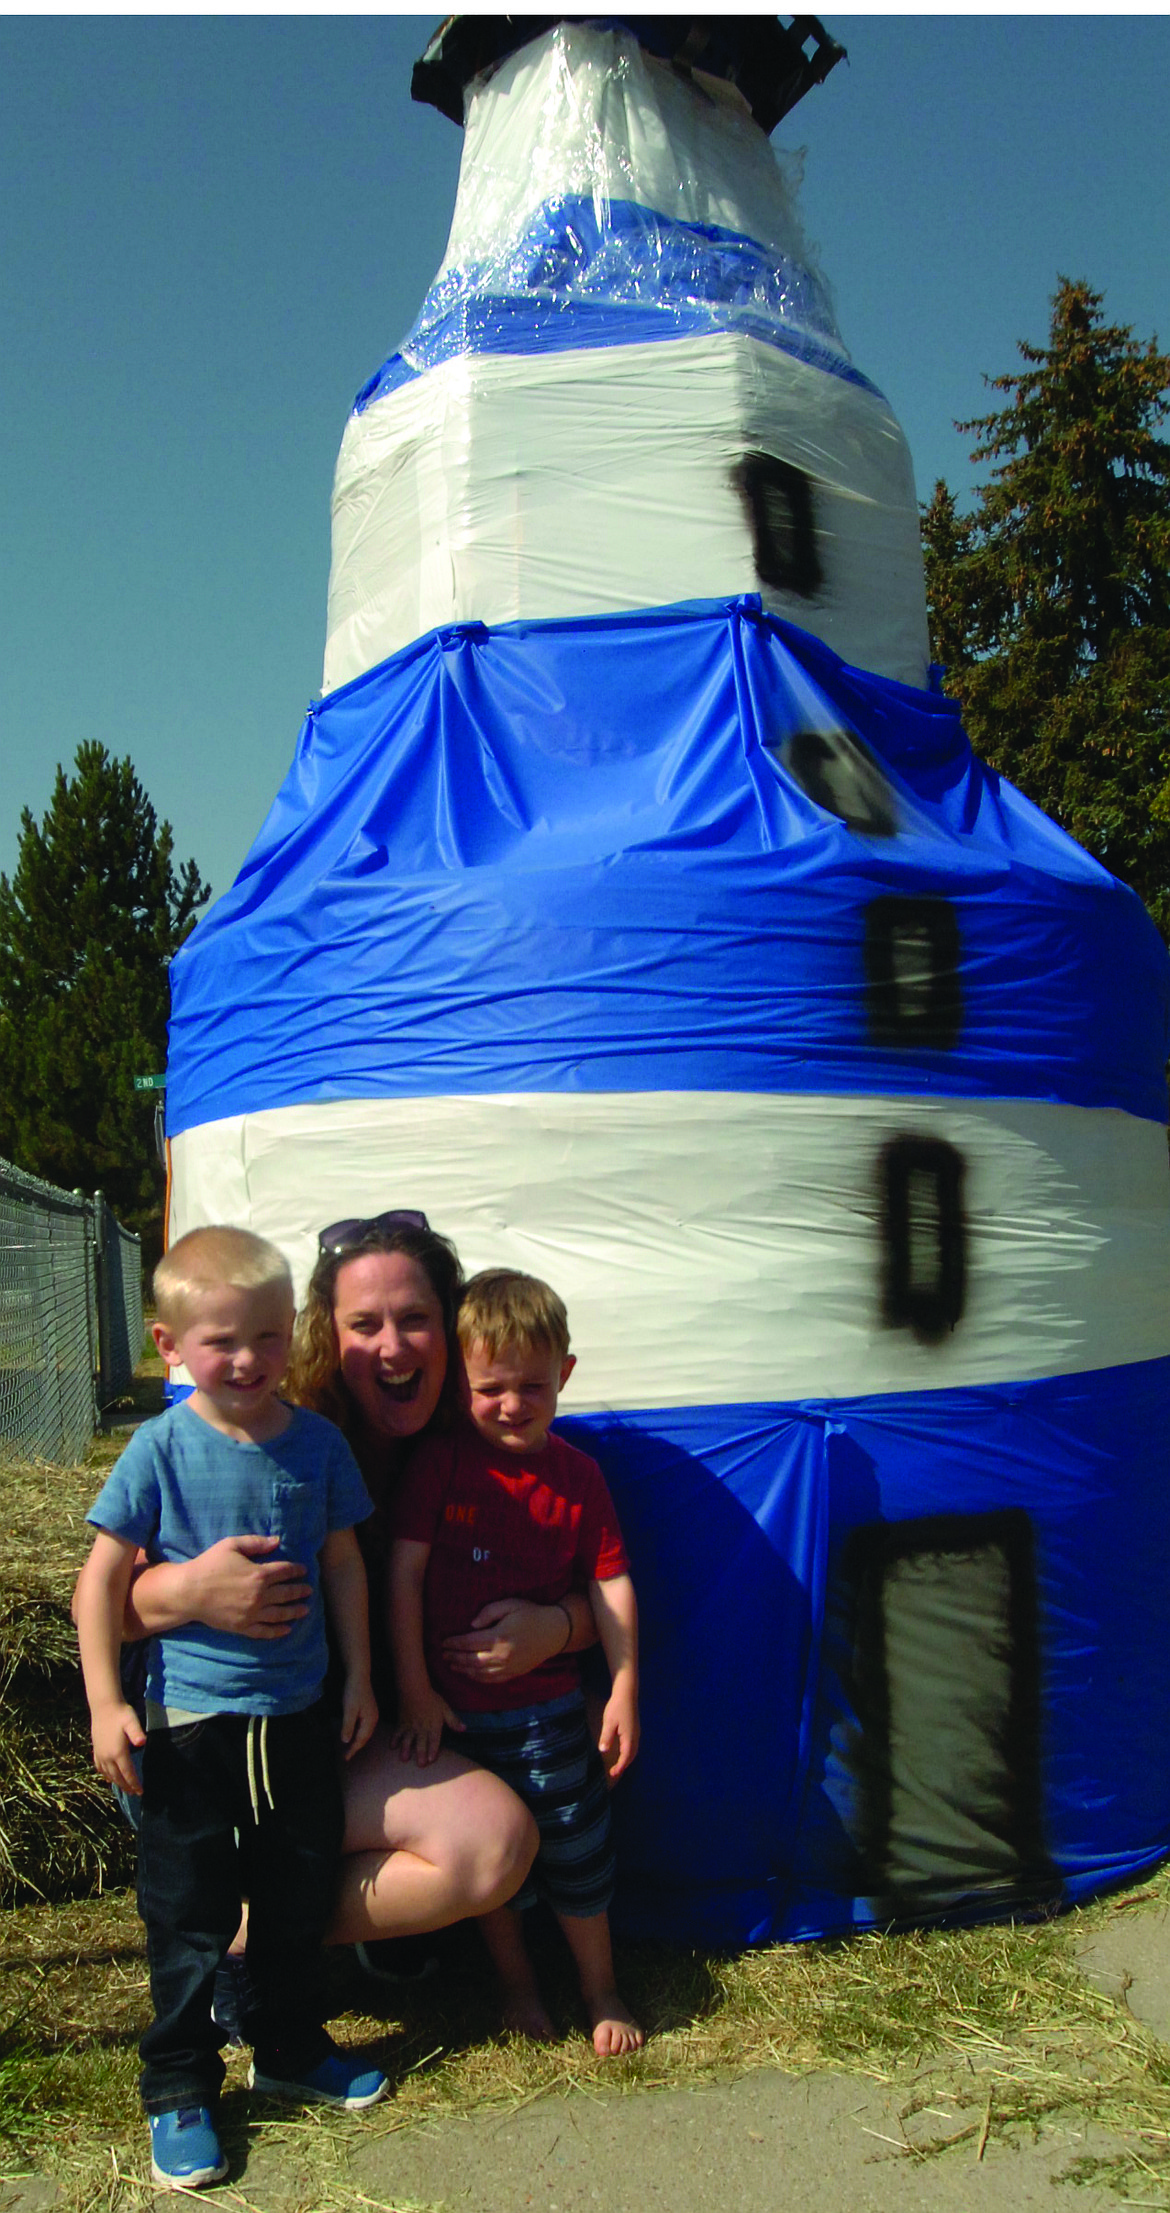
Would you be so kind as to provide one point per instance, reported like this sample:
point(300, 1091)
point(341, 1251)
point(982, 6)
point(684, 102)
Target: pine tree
point(1050, 604)
point(88, 924)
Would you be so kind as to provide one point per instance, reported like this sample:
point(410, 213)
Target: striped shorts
point(547, 1756)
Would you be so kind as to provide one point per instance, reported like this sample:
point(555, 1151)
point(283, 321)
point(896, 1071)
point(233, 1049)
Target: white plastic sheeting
point(498, 487)
point(510, 468)
point(583, 112)
point(716, 1248)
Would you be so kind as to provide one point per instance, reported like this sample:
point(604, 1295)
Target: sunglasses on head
point(342, 1236)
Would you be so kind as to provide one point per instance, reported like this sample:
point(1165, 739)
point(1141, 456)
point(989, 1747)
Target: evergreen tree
point(88, 923)
point(1050, 604)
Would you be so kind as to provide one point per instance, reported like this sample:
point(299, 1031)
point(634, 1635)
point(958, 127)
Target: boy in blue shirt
point(240, 1784)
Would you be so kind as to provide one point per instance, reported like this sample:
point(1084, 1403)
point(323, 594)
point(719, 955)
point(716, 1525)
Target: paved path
point(813, 2144)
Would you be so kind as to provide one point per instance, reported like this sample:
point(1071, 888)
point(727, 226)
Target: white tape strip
point(550, 485)
point(720, 1247)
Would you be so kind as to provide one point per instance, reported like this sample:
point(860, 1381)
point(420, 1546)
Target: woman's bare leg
point(425, 1846)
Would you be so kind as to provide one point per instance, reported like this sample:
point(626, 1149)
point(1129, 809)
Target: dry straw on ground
point(59, 1836)
point(982, 2032)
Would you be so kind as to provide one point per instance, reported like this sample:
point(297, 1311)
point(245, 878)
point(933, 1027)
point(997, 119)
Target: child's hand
point(359, 1714)
point(620, 1730)
point(116, 1733)
point(420, 1726)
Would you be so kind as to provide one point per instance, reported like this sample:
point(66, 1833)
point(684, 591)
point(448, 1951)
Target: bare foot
point(524, 2013)
point(614, 2028)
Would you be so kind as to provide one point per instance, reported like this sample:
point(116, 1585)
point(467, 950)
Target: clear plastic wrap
point(626, 321)
point(601, 194)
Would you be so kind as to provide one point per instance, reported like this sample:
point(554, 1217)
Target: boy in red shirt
point(497, 1509)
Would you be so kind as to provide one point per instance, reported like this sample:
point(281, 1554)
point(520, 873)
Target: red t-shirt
point(503, 1525)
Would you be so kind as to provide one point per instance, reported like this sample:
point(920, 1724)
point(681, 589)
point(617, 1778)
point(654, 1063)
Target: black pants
point(205, 1843)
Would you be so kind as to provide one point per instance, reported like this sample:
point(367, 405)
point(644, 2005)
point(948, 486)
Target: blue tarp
point(740, 1819)
point(579, 856)
point(574, 838)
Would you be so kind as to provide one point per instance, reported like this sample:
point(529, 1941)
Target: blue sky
point(217, 227)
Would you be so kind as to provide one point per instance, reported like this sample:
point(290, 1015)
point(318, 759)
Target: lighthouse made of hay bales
point(635, 907)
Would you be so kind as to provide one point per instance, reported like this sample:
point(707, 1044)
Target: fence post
point(93, 1293)
point(101, 1284)
point(119, 1303)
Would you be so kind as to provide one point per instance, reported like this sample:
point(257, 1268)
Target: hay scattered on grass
point(981, 2033)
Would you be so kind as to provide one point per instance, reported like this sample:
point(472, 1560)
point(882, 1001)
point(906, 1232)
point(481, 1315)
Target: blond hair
point(505, 1311)
point(214, 1259)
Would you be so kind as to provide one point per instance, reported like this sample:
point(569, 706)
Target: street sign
point(150, 1083)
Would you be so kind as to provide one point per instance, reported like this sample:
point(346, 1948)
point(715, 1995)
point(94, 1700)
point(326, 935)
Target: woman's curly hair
point(314, 1379)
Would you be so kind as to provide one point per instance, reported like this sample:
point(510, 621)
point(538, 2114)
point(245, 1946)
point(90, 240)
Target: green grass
point(981, 2032)
point(24, 2080)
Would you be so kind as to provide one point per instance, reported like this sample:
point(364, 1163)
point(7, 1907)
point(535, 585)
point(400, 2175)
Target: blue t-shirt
point(179, 1487)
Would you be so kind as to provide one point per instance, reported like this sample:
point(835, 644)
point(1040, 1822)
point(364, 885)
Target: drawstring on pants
point(250, 1758)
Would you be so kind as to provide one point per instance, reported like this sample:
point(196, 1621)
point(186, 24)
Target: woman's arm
point(343, 1581)
point(511, 1636)
point(232, 1586)
point(422, 1710)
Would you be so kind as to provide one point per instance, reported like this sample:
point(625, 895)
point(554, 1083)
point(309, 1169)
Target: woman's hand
point(511, 1636)
point(233, 1586)
point(419, 1730)
point(359, 1713)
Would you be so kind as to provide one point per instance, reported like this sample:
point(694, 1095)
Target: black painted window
point(945, 1684)
point(779, 501)
point(838, 773)
point(924, 1237)
point(912, 972)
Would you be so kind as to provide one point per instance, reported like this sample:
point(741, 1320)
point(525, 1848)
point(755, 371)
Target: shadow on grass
point(457, 2010)
point(67, 1962)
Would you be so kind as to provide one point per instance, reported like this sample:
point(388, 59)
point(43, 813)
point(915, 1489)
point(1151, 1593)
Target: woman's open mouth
point(401, 1388)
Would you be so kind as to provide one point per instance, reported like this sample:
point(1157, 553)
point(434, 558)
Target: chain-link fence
point(70, 1316)
point(119, 1302)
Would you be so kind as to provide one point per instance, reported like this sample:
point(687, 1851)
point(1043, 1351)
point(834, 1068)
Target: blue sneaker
point(185, 2151)
point(336, 2080)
